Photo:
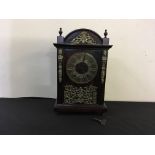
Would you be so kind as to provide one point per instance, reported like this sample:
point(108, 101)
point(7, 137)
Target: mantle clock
point(81, 71)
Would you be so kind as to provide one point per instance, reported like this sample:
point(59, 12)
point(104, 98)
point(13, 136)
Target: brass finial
point(60, 31)
point(105, 33)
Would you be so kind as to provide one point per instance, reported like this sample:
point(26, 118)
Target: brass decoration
point(60, 59)
point(84, 38)
point(104, 61)
point(105, 53)
point(83, 95)
point(81, 67)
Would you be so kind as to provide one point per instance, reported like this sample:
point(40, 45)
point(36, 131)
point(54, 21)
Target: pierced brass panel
point(84, 95)
point(84, 38)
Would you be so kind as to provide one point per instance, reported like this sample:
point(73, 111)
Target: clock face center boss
point(81, 68)
point(81, 71)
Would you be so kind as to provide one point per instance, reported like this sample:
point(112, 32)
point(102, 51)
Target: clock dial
point(81, 67)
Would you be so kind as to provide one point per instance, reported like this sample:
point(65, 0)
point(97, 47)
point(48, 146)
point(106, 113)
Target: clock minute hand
point(83, 61)
point(84, 57)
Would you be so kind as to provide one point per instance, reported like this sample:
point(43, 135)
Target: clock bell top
point(82, 38)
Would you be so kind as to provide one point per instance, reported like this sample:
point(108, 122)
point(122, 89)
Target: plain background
point(28, 57)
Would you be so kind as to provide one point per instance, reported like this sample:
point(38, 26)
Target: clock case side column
point(59, 100)
point(97, 108)
point(104, 68)
point(103, 76)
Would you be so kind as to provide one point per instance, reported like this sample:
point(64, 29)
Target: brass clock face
point(81, 67)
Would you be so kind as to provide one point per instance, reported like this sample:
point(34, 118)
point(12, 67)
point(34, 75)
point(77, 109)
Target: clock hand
point(84, 57)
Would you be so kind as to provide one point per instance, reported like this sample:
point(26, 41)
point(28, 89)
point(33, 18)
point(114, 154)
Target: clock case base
point(80, 108)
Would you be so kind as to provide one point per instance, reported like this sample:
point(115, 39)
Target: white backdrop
point(28, 57)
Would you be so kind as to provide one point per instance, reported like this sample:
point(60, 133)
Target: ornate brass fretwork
point(84, 38)
point(60, 59)
point(83, 95)
point(104, 61)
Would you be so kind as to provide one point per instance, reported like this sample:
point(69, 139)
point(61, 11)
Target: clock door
point(82, 76)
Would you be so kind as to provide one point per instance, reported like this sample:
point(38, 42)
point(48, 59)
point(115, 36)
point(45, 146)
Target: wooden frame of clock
point(81, 71)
